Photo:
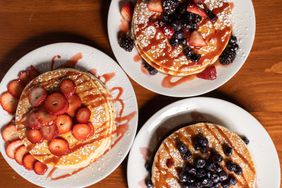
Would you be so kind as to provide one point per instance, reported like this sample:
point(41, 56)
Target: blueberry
point(201, 173)
point(227, 149)
point(177, 25)
point(150, 69)
point(192, 171)
point(191, 179)
point(233, 39)
point(216, 157)
point(183, 42)
point(148, 165)
point(230, 166)
point(183, 150)
point(217, 168)
point(223, 176)
point(200, 141)
point(245, 139)
point(149, 183)
point(238, 170)
point(183, 177)
point(215, 178)
point(187, 51)
point(200, 163)
point(174, 41)
point(206, 182)
point(179, 35)
point(231, 180)
point(195, 57)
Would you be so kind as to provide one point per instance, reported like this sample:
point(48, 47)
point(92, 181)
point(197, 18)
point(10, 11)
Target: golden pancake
point(93, 94)
point(155, 48)
point(168, 160)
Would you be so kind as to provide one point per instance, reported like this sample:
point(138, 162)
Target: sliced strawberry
point(32, 72)
point(45, 118)
point(208, 74)
point(197, 40)
point(24, 77)
point(33, 120)
point(15, 87)
point(49, 132)
point(9, 133)
point(59, 146)
point(56, 103)
point(81, 131)
point(11, 148)
point(197, 10)
point(67, 87)
point(40, 168)
point(83, 115)
point(63, 123)
point(74, 104)
point(34, 136)
point(155, 6)
point(199, 1)
point(9, 102)
point(28, 161)
point(126, 11)
point(37, 96)
point(19, 154)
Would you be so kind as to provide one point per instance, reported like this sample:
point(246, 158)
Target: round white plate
point(212, 110)
point(91, 59)
point(243, 27)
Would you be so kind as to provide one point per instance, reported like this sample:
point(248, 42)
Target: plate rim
point(192, 100)
point(119, 69)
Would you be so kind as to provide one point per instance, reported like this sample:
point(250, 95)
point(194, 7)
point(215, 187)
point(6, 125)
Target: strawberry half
point(197, 10)
point(9, 102)
point(37, 96)
point(15, 87)
point(28, 161)
point(197, 40)
point(58, 146)
point(45, 118)
point(24, 77)
point(81, 131)
point(9, 133)
point(40, 168)
point(19, 154)
point(74, 103)
point(208, 74)
point(155, 6)
point(126, 12)
point(49, 132)
point(63, 123)
point(34, 136)
point(56, 103)
point(67, 87)
point(33, 120)
point(11, 148)
point(32, 72)
point(83, 115)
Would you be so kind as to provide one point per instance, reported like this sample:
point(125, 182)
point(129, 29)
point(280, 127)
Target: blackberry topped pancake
point(66, 118)
point(203, 155)
point(181, 37)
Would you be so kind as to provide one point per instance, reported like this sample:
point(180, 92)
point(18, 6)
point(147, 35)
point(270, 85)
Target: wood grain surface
point(257, 87)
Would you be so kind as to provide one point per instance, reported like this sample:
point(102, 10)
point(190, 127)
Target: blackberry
point(125, 41)
point(150, 69)
point(170, 6)
point(187, 51)
point(174, 41)
point(179, 35)
point(229, 53)
point(195, 57)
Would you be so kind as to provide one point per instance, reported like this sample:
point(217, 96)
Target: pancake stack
point(81, 141)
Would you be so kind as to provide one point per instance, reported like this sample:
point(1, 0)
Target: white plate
point(205, 109)
point(243, 27)
point(91, 59)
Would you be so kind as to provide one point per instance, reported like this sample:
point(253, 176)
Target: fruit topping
point(63, 123)
point(81, 131)
point(58, 146)
point(11, 148)
point(83, 115)
point(49, 132)
point(183, 150)
point(74, 103)
point(37, 96)
point(32, 72)
point(199, 141)
point(33, 120)
point(169, 6)
point(245, 139)
point(40, 168)
point(150, 69)
point(215, 157)
point(15, 87)
point(197, 40)
point(229, 53)
point(19, 154)
point(208, 74)
point(67, 87)
point(9, 102)
point(126, 11)
point(199, 163)
point(125, 41)
point(23, 76)
point(211, 15)
point(34, 136)
point(155, 6)
point(196, 10)
point(233, 167)
point(28, 161)
point(227, 150)
point(56, 103)
point(9, 133)
point(168, 31)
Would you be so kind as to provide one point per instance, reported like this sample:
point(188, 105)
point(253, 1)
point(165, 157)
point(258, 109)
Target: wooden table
point(26, 25)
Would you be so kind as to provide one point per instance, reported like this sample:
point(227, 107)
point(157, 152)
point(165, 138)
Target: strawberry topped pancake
point(203, 155)
point(65, 118)
point(181, 37)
